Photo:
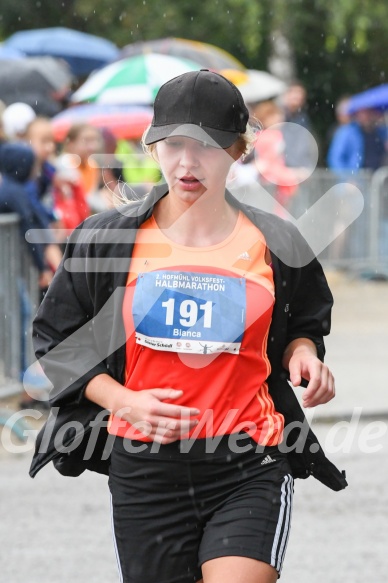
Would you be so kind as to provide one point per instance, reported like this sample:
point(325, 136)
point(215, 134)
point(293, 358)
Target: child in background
point(70, 203)
point(82, 142)
point(39, 136)
point(270, 154)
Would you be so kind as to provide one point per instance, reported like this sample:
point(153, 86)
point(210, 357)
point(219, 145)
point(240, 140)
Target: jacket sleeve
point(311, 299)
point(64, 332)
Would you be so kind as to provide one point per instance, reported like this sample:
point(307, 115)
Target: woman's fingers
point(174, 411)
point(174, 430)
point(157, 419)
point(321, 388)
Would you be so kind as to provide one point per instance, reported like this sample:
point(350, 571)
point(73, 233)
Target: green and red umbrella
point(132, 81)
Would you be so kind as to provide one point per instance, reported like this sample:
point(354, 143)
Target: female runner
point(182, 315)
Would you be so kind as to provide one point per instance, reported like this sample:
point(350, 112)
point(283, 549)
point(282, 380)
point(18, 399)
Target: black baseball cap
point(202, 105)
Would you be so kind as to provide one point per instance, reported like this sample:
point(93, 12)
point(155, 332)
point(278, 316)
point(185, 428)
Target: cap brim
point(211, 136)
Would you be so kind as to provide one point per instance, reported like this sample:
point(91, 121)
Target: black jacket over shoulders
point(79, 332)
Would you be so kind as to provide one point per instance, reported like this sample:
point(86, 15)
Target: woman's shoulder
point(268, 220)
point(283, 237)
point(113, 217)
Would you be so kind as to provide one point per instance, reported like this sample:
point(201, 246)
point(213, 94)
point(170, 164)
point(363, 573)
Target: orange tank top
point(197, 319)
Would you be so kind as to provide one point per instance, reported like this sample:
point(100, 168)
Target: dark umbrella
point(206, 55)
point(56, 71)
point(375, 98)
point(84, 52)
point(34, 81)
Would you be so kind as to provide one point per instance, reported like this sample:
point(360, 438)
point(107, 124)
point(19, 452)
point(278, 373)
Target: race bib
point(199, 313)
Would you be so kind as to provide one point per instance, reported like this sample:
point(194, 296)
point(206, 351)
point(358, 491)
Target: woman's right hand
point(162, 422)
point(146, 409)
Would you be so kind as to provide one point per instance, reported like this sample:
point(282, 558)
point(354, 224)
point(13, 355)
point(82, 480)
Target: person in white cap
point(16, 119)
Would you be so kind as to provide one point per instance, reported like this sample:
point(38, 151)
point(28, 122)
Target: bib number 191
point(188, 310)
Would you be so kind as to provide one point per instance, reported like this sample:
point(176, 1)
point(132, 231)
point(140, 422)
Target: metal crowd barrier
point(361, 247)
point(18, 284)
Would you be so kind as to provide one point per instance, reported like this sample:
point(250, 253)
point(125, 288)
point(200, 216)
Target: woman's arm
point(300, 358)
point(162, 422)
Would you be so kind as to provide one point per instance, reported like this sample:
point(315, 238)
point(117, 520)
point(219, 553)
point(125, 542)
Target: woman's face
point(41, 139)
point(87, 143)
point(191, 167)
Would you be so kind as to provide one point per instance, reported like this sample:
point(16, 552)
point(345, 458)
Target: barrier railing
point(18, 302)
point(360, 247)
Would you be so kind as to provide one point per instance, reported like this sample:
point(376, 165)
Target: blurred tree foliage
point(339, 46)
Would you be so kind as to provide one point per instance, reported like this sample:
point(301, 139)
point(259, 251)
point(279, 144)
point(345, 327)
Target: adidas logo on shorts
point(267, 460)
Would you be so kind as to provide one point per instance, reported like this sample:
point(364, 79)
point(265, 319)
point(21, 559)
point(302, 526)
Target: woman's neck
point(205, 222)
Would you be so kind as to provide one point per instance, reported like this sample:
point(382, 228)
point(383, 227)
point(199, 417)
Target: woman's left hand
point(301, 360)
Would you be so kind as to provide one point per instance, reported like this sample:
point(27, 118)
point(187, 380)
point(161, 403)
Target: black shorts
point(173, 510)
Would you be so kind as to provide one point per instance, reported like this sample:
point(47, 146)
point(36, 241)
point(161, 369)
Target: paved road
point(56, 529)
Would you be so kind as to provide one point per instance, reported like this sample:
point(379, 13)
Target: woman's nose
point(189, 158)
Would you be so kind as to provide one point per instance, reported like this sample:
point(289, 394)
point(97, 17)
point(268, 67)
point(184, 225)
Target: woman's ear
point(234, 151)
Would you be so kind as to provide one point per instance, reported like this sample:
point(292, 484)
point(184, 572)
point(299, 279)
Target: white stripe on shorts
point(280, 541)
point(114, 541)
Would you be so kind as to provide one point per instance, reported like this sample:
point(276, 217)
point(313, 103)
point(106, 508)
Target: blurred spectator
point(101, 199)
point(82, 142)
point(16, 166)
point(70, 202)
point(39, 136)
point(294, 104)
point(16, 119)
point(298, 151)
point(59, 182)
point(342, 117)
point(341, 111)
point(358, 144)
point(270, 154)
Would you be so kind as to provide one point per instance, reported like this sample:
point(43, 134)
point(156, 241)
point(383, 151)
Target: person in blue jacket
point(359, 144)
point(16, 168)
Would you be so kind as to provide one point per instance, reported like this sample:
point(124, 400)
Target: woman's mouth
point(189, 182)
